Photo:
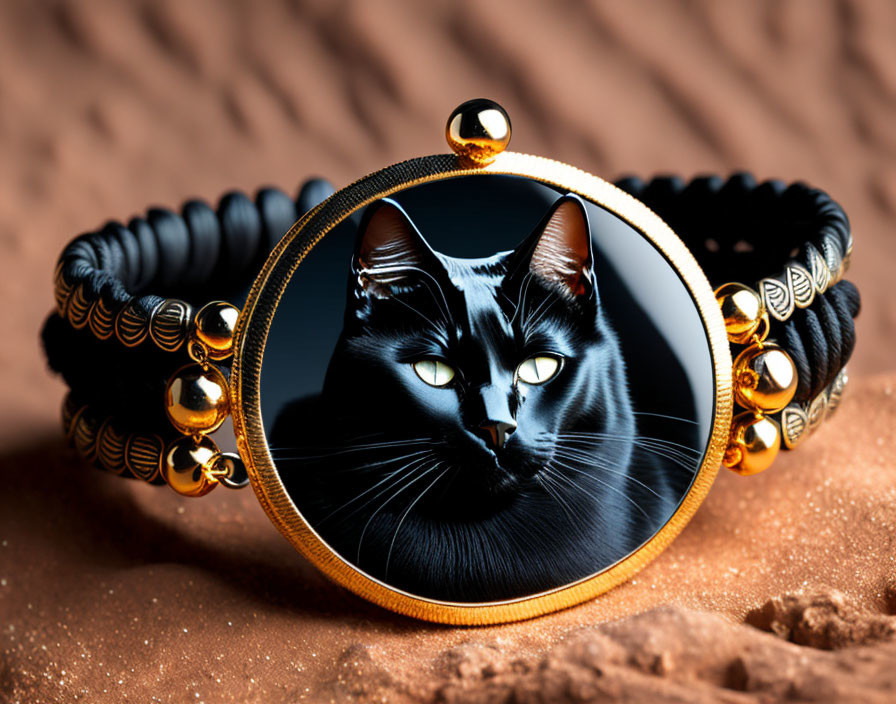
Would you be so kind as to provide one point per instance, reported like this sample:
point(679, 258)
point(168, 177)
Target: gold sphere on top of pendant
point(765, 378)
point(743, 311)
point(214, 326)
point(197, 400)
point(477, 131)
point(753, 445)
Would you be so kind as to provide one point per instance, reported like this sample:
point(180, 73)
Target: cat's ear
point(559, 250)
point(390, 252)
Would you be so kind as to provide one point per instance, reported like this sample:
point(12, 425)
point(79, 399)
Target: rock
point(672, 654)
point(821, 620)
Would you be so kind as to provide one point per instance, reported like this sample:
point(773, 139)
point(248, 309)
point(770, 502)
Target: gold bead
point(196, 399)
point(214, 326)
point(754, 444)
point(743, 311)
point(765, 378)
point(184, 468)
point(477, 131)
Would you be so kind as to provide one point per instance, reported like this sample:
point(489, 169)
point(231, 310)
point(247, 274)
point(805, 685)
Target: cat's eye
point(434, 372)
point(537, 370)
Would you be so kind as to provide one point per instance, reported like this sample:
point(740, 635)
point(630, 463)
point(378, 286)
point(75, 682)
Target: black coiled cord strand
point(201, 254)
point(739, 230)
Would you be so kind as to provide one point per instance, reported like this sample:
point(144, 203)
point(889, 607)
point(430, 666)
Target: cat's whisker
point(403, 483)
point(346, 441)
point(599, 481)
point(452, 478)
point(547, 482)
point(356, 448)
point(407, 511)
point(679, 457)
point(404, 488)
point(636, 438)
point(521, 299)
point(365, 446)
point(654, 448)
point(407, 469)
point(668, 417)
point(407, 267)
point(689, 463)
point(530, 313)
point(538, 313)
point(510, 304)
point(673, 455)
point(343, 442)
point(599, 434)
point(603, 468)
point(425, 318)
point(548, 475)
point(443, 305)
point(367, 466)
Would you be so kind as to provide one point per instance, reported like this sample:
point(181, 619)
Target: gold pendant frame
point(255, 321)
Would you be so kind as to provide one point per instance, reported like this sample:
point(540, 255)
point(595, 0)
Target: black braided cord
point(737, 229)
point(201, 254)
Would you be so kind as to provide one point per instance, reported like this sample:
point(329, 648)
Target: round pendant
point(474, 394)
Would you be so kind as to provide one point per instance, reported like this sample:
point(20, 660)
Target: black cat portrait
point(475, 438)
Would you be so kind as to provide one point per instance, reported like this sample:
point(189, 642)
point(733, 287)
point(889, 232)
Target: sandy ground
point(113, 591)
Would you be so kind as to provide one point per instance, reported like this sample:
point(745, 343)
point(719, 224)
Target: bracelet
point(494, 385)
point(101, 331)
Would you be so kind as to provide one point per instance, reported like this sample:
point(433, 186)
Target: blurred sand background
point(113, 591)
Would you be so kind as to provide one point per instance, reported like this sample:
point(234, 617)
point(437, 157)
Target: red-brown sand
point(115, 591)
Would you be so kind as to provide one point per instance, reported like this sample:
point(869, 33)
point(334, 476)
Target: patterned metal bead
point(776, 297)
point(783, 294)
point(847, 257)
point(110, 448)
point(70, 410)
point(794, 426)
point(821, 275)
point(132, 324)
point(169, 324)
point(835, 391)
point(800, 282)
point(62, 290)
point(87, 426)
point(101, 320)
point(800, 420)
point(833, 256)
point(78, 308)
point(143, 456)
point(817, 411)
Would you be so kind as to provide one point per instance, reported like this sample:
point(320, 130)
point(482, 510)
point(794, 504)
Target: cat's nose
point(496, 432)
